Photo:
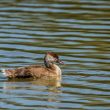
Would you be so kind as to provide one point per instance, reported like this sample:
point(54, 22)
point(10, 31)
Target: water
point(79, 31)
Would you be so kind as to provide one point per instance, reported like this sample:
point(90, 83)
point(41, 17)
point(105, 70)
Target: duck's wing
point(22, 72)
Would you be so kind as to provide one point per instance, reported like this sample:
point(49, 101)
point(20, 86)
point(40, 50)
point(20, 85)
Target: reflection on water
point(28, 95)
point(79, 31)
point(54, 82)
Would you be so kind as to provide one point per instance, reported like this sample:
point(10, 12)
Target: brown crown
point(53, 54)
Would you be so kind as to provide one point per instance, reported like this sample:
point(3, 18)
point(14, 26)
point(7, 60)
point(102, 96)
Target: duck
point(48, 70)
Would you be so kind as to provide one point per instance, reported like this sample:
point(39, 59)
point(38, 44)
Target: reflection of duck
point(35, 71)
point(54, 82)
point(16, 83)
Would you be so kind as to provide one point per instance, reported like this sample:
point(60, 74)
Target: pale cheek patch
point(50, 58)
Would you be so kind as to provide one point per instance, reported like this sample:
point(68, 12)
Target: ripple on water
point(78, 31)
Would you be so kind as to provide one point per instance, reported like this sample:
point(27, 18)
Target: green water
point(79, 31)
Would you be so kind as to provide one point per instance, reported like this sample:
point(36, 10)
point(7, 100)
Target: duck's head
point(51, 58)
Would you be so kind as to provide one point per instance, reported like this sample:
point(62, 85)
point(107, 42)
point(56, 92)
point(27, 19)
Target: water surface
point(79, 31)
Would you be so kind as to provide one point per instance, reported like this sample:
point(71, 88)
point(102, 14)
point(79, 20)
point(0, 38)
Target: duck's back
point(35, 71)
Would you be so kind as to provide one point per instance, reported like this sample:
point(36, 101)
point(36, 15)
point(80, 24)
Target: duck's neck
point(57, 69)
point(47, 64)
point(54, 67)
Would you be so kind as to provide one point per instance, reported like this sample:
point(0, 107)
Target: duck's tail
point(8, 73)
point(3, 72)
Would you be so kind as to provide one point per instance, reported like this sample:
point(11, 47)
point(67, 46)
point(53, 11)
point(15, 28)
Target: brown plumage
point(36, 71)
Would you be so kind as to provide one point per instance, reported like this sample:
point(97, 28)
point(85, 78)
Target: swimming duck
point(50, 69)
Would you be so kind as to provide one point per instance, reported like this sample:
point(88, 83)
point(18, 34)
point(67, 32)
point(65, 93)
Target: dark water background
point(79, 31)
